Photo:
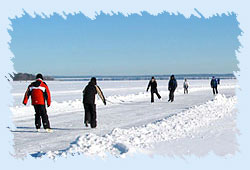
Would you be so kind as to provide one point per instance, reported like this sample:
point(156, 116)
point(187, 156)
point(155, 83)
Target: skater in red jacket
point(39, 92)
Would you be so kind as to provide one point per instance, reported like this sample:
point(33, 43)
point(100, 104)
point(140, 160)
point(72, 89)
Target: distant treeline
point(26, 76)
point(146, 77)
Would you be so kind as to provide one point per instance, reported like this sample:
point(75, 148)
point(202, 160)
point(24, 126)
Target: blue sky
point(119, 45)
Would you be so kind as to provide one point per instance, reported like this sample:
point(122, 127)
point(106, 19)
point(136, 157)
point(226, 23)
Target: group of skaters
point(40, 97)
point(172, 85)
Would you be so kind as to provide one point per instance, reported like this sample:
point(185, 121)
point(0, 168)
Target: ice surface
point(130, 123)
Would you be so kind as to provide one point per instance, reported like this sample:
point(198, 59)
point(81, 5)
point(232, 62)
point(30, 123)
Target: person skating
point(185, 86)
point(214, 84)
point(218, 81)
point(89, 94)
point(153, 84)
point(172, 85)
point(39, 92)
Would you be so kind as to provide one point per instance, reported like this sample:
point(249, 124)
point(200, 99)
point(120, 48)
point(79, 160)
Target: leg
point(37, 117)
point(216, 90)
point(213, 90)
point(172, 96)
point(93, 115)
point(87, 114)
point(45, 118)
point(152, 97)
point(158, 95)
point(169, 97)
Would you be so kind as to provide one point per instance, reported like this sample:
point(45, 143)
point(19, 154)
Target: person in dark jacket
point(218, 81)
point(214, 84)
point(39, 92)
point(172, 85)
point(153, 84)
point(89, 94)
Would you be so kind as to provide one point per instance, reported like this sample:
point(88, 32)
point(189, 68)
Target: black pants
point(215, 91)
point(90, 114)
point(171, 95)
point(185, 90)
point(41, 112)
point(152, 95)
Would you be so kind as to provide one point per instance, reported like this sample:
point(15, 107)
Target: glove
point(48, 105)
point(104, 102)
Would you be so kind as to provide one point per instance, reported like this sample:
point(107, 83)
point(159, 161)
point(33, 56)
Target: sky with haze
point(119, 45)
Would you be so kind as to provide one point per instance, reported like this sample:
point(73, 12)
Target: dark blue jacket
point(213, 83)
point(172, 84)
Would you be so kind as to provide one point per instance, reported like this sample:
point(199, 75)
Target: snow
point(130, 123)
point(126, 141)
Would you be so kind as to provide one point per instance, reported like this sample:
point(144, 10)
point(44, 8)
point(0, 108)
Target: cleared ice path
point(68, 126)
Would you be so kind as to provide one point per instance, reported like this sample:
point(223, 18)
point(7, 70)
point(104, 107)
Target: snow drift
point(184, 125)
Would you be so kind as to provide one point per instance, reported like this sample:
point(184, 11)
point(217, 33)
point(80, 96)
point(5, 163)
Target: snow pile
point(121, 142)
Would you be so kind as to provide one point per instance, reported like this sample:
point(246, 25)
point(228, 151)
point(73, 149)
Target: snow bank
point(26, 112)
point(121, 142)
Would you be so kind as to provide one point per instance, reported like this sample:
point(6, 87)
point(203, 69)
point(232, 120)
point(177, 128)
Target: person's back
point(172, 83)
point(213, 83)
point(89, 93)
point(39, 92)
point(185, 84)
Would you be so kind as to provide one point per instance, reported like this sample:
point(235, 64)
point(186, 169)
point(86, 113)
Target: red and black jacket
point(39, 92)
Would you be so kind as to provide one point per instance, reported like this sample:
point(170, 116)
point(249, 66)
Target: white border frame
point(12, 9)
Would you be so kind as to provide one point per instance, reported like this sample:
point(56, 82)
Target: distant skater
point(218, 81)
point(214, 84)
point(153, 84)
point(89, 94)
point(172, 85)
point(185, 86)
point(39, 92)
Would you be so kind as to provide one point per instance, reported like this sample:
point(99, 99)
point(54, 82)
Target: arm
point(48, 98)
point(26, 96)
point(149, 84)
point(99, 91)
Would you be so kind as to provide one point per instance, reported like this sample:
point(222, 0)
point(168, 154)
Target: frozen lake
point(128, 107)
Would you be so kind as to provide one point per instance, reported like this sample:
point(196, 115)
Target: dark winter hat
point(93, 80)
point(153, 77)
point(39, 76)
